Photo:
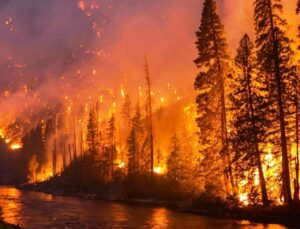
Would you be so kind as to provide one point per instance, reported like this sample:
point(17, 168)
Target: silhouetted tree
point(173, 161)
point(92, 132)
point(212, 62)
point(298, 12)
point(127, 110)
point(111, 144)
point(250, 110)
point(274, 61)
point(150, 121)
point(134, 143)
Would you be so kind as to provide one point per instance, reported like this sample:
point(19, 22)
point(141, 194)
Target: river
point(35, 210)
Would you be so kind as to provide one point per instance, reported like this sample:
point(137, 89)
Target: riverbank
point(4, 225)
point(81, 179)
point(283, 215)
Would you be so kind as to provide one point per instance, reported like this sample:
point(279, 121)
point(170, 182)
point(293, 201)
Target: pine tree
point(111, 144)
point(150, 121)
point(92, 132)
point(212, 62)
point(296, 115)
point(180, 162)
point(293, 114)
point(173, 167)
point(274, 55)
point(250, 111)
point(49, 135)
point(25, 157)
point(134, 143)
point(298, 12)
point(39, 145)
point(126, 110)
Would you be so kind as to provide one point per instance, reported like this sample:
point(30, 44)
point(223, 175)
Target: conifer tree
point(298, 12)
point(212, 62)
point(111, 144)
point(92, 132)
point(274, 55)
point(180, 162)
point(250, 111)
point(134, 143)
point(173, 160)
point(39, 143)
point(126, 110)
point(150, 121)
point(294, 110)
point(49, 134)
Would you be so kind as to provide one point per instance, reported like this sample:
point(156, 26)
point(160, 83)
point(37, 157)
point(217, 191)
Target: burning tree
point(92, 132)
point(210, 83)
point(274, 58)
point(135, 141)
point(150, 121)
point(249, 111)
point(111, 145)
point(298, 11)
point(174, 170)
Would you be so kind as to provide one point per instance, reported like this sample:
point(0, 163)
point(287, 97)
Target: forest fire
point(15, 146)
point(158, 170)
point(95, 110)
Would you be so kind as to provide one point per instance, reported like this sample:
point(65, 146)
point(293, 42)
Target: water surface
point(34, 210)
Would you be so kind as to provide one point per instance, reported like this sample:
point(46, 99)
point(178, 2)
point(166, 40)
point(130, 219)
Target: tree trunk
point(296, 191)
point(54, 156)
point(150, 119)
point(224, 133)
point(262, 180)
point(286, 188)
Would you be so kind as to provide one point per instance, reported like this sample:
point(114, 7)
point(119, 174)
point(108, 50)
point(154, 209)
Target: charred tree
point(150, 121)
point(92, 132)
point(111, 144)
point(134, 143)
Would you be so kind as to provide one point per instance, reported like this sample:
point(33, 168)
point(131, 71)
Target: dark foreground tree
point(150, 121)
point(111, 144)
point(250, 112)
point(298, 11)
point(274, 55)
point(173, 166)
point(135, 144)
point(92, 132)
point(210, 85)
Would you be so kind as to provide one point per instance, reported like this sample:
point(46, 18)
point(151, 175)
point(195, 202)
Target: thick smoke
point(58, 49)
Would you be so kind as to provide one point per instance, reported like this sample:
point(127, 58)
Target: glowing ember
point(121, 165)
point(15, 146)
point(243, 197)
point(158, 170)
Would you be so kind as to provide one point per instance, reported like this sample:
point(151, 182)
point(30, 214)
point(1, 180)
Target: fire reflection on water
point(39, 210)
point(11, 206)
point(159, 218)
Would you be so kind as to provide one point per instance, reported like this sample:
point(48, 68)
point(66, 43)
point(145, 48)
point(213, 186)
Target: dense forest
point(244, 146)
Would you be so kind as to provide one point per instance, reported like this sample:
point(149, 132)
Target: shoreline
point(281, 215)
point(4, 225)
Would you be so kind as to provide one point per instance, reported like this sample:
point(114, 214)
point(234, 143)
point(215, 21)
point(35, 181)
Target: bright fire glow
point(244, 198)
point(158, 170)
point(15, 146)
point(121, 165)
